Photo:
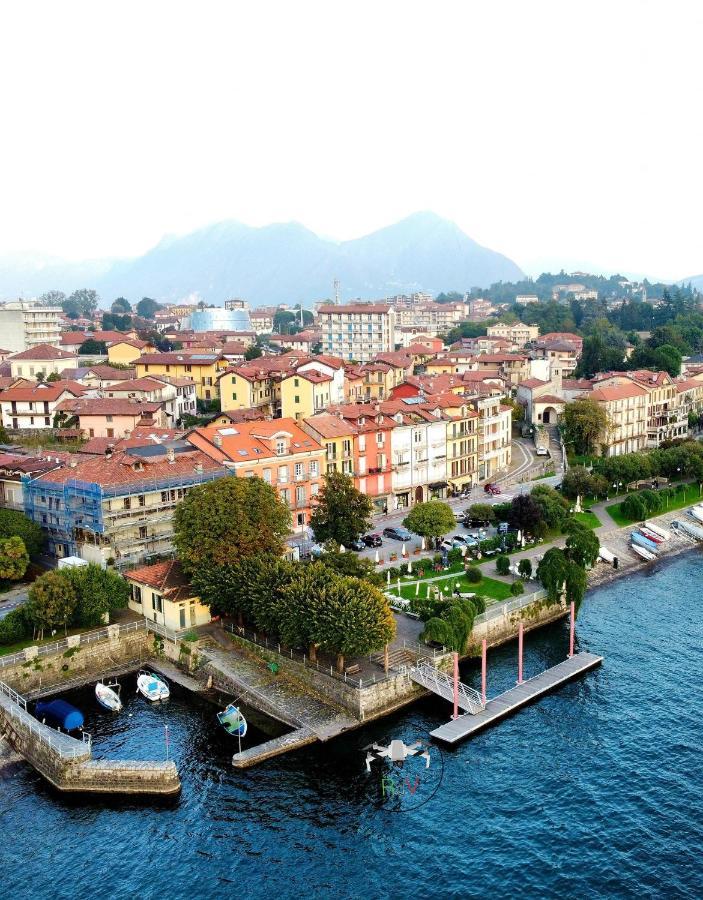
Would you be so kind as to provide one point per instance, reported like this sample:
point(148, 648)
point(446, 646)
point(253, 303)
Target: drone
point(397, 752)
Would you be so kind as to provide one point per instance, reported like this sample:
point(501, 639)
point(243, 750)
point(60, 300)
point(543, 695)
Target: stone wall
point(80, 659)
point(501, 629)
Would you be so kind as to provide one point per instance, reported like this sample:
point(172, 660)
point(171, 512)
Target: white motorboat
point(657, 529)
point(696, 512)
point(152, 687)
point(107, 696)
point(640, 551)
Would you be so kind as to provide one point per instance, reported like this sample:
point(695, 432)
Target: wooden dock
point(505, 704)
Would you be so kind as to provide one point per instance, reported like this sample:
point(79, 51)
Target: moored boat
point(108, 697)
point(657, 529)
point(693, 531)
point(644, 554)
point(650, 535)
point(152, 687)
point(59, 714)
point(696, 512)
point(232, 721)
point(642, 541)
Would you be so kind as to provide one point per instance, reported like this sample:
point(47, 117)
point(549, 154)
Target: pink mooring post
point(519, 654)
point(483, 672)
point(572, 629)
point(456, 686)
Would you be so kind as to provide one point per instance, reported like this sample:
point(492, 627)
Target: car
point(542, 451)
point(398, 533)
point(357, 545)
point(491, 489)
point(458, 540)
point(459, 516)
point(476, 523)
point(372, 540)
point(317, 550)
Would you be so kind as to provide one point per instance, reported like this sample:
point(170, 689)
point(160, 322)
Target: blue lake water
point(594, 791)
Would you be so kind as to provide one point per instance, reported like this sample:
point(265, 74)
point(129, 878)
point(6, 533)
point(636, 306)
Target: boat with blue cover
point(59, 714)
point(641, 541)
point(232, 721)
point(152, 687)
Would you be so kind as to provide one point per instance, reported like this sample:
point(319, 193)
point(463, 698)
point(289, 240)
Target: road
point(12, 599)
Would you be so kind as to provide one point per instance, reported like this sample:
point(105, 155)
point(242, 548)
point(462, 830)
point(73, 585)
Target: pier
point(523, 693)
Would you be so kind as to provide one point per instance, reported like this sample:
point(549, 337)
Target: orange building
point(277, 451)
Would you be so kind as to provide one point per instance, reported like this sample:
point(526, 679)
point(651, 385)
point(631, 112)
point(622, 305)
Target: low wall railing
point(62, 744)
point(496, 610)
point(88, 637)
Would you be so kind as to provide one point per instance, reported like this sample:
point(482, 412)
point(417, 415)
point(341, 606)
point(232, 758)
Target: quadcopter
point(397, 752)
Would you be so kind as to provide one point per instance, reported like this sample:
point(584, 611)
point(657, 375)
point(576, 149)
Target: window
point(314, 489)
point(300, 496)
point(182, 616)
point(234, 396)
point(280, 447)
point(267, 476)
point(296, 383)
point(285, 496)
point(143, 533)
point(110, 432)
point(127, 503)
point(379, 438)
point(296, 399)
point(314, 471)
point(141, 500)
point(299, 471)
point(157, 603)
point(283, 474)
point(47, 421)
point(136, 593)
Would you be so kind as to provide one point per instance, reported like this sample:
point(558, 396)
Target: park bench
point(352, 670)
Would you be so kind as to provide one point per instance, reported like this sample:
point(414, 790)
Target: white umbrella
point(519, 536)
point(388, 574)
point(464, 550)
point(341, 548)
point(399, 585)
point(378, 558)
point(410, 567)
point(422, 543)
point(417, 588)
point(402, 551)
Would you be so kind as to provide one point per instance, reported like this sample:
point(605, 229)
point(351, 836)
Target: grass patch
point(6, 649)
point(589, 519)
point(546, 475)
point(487, 587)
point(686, 497)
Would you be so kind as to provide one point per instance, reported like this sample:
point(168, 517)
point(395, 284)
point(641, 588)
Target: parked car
point(357, 545)
point(476, 523)
point(492, 489)
point(459, 516)
point(398, 533)
point(458, 540)
point(372, 540)
point(542, 451)
point(503, 528)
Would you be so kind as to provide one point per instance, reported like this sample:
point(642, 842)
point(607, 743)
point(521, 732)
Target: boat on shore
point(657, 529)
point(152, 687)
point(232, 721)
point(650, 535)
point(644, 554)
point(638, 538)
point(108, 697)
point(59, 714)
point(693, 531)
point(696, 512)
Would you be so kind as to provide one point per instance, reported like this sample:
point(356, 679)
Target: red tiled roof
point(255, 438)
point(136, 384)
point(73, 338)
point(179, 358)
point(617, 392)
point(329, 426)
point(108, 406)
point(43, 352)
point(354, 308)
point(167, 577)
point(49, 392)
point(533, 383)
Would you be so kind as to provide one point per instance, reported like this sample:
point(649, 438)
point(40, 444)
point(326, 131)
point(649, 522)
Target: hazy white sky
point(547, 130)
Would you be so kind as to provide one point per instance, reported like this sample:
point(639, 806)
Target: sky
point(555, 132)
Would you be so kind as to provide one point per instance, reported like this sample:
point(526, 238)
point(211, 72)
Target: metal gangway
point(424, 673)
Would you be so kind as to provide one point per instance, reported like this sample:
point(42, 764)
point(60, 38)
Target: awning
point(437, 485)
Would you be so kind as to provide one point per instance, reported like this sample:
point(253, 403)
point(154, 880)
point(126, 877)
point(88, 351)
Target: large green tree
point(432, 519)
point(229, 518)
point(14, 558)
point(52, 601)
point(15, 524)
point(302, 599)
point(121, 306)
point(553, 508)
point(482, 511)
point(147, 307)
point(585, 422)
point(98, 592)
point(582, 544)
point(526, 514)
point(354, 619)
point(83, 302)
point(556, 571)
point(341, 511)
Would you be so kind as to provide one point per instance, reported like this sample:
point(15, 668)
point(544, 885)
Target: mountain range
point(278, 263)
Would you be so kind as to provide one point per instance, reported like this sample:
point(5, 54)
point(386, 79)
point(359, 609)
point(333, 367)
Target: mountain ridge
point(280, 262)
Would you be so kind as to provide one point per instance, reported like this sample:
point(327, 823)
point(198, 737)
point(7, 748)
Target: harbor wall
point(115, 646)
point(501, 624)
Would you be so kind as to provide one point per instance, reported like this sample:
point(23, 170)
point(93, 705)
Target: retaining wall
point(503, 628)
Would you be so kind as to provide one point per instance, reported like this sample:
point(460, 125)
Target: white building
point(418, 452)
point(334, 367)
point(40, 359)
point(494, 436)
point(357, 331)
point(33, 406)
point(23, 324)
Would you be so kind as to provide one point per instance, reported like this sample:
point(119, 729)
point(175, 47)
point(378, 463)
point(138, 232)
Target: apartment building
point(176, 395)
point(626, 406)
point(434, 318)
point(357, 331)
point(518, 333)
point(111, 417)
point(462, 440)
point(16, 468)
point(278, 451)
point(118, 506)
point(305, 393)
point(33, 406)
point(127, 351)
point(25, 324)
point(494, 436)
point(40, 359)
point(514, 367)
point(162, 593)
point(666, 419)
point(562, 356)
point(203, 368)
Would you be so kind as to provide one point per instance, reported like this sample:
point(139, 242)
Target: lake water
point(594, 791)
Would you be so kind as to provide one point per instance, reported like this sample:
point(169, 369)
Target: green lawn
point(487, 587)
point(589, 519)
point(686, 497)
point(6, 649)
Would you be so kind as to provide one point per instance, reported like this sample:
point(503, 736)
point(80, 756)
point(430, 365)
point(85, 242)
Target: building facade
point(357, 331)
point(25, 324)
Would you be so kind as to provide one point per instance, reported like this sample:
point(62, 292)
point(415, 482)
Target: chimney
point(199, 468)
point(217, 440)
point(171, 455)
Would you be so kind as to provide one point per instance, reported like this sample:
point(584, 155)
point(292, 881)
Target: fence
point(502, 609)
point(169, 633)
point(297, 656)
point(87, 637)
point(62, 744)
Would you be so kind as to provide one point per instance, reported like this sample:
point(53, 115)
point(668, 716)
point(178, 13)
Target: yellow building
point(462, 441)
point(202, 368)
point(162, 594)
point(336, 435)
point(125, 352)
point(304, 394)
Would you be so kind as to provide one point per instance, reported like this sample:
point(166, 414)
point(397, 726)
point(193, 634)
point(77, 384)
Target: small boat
point(645, 554)
point(650, 535)
point(59, 714)
point(152, 687)
point(232, 721)
point(693, 531)
point(107, 696)
point(657, 529)
point(643, 542)
point(696, 512)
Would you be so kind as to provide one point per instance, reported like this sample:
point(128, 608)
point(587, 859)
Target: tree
point(253, 352)
point(354, 619)
point(84, 301)
point(91, 347)
point(555, 572)
point(524, 567)
point(14, 627)
point(518, 410)
point(283, 321)
point(517, 588)
point(585, 423)
point(634, 508)
point(15, 524)
point(503, 565)
point(582, 544)
point(302, 598)
point(350, 564)
point(116, 322)
point(52, 298)
point(146, 308)
point(526, 515)
point(431, 519)
point(53, 376)
point(98, 592)
point(121, 306)
point(341, 511)
point(601, 355)
point(223, 520)
point(483, 512)
point(14, 558)
point(553, 508)
point(52, 600)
